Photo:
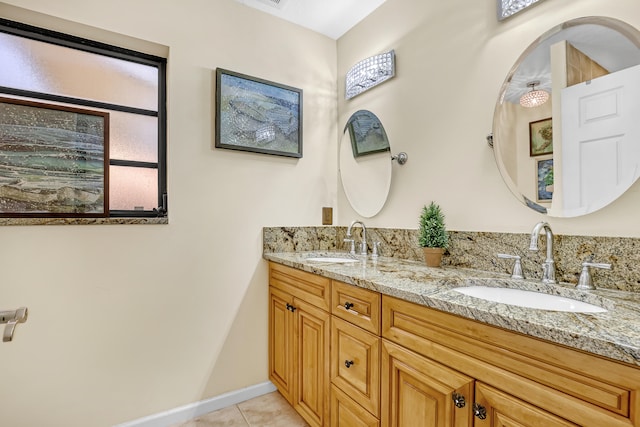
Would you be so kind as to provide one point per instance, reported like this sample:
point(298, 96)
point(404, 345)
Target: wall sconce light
point(506, 8)
point(534, 97)
point(369, 73)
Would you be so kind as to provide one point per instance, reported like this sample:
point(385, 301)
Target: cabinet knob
point(290, 308)
point(458, 400)
point(348, 305)
point(348, 363)
point(479, 411)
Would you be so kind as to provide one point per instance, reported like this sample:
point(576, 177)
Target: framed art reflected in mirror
point(544, 179)
point(540, 137)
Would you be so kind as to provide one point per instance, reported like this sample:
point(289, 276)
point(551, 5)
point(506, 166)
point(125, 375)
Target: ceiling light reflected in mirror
point(534, 98)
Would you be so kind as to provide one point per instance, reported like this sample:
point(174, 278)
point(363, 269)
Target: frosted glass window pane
point(133, 188)
point(44, 67)
point(133, 137)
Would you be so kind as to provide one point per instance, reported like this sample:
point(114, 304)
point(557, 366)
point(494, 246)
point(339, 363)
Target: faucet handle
point(517, 266)
point(585, 282)
point(352, 246)
point(363, 247)
point(375, 251)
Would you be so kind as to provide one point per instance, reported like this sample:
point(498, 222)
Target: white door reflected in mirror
point(600, 140)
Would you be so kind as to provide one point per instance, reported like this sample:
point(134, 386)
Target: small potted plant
point(432, 235)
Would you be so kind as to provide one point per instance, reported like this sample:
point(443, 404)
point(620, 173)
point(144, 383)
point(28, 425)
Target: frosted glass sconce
point(369, 73)
point(506, 8)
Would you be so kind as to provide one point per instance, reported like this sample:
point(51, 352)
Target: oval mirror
point(365, 163)
point(565, 132)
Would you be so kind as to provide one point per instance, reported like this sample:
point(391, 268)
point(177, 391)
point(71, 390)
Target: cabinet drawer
point(356, 305)
point(355, 364)
point(546, 374)
point(501, 408)
point(347, 413)
point(310, 288)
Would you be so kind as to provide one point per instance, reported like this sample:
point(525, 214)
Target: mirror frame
point(625, 29)
point(369, 182)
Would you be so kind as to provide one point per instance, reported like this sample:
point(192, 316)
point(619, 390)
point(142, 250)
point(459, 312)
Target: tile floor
point(269, 410)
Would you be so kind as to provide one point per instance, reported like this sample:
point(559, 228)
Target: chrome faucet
point(363, 244)
point(548, 267)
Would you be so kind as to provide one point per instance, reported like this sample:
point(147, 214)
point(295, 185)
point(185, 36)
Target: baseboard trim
point(193, 410)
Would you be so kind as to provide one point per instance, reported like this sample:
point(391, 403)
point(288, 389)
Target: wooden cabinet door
point(418, 392)
point(312, 396)
point(281, 342)
point(347, 413)
point(494, 408)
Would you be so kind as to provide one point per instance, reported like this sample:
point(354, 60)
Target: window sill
point(81, 221)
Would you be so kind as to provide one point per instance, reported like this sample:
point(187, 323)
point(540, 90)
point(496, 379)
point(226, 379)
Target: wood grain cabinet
point(419, 392)
point(355, 356)
point(349, 357)
point(346, 412)
point(499, 409)
point(299, 333)
point(518, 380)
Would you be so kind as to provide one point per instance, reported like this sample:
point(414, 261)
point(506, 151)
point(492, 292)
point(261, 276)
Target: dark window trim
point(87, 45)
point(77, 101)
point(133, 164)
point(67, 40)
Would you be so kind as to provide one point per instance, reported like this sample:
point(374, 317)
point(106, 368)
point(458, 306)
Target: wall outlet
point(327, 216)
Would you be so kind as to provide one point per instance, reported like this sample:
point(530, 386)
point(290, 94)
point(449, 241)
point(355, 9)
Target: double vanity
point(383, 341)
point(361, 339)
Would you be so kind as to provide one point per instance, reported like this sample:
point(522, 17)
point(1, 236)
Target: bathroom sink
point(529, 299)
point(331, 259)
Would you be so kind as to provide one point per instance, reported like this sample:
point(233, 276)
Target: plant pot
point(433, 256)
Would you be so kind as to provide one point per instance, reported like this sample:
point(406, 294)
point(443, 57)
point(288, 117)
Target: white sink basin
point(330, 259)
point(529, 299)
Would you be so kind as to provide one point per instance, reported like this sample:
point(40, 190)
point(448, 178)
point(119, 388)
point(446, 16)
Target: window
point(43, 66)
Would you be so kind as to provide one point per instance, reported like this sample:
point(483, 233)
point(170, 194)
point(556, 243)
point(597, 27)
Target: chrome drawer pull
point(479, 411)
point(458, 400)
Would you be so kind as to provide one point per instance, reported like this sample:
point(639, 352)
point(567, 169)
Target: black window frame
point(87, 45)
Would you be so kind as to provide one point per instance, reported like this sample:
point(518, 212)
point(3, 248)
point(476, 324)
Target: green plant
point(432, 232)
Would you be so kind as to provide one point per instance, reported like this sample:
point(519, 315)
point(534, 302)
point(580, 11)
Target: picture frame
point(54, 160)
point(541, 137)
point(367, 134)
point(544, 179)
point(257, 115)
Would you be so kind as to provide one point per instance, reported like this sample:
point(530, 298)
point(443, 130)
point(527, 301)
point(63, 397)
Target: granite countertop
point(614, 334)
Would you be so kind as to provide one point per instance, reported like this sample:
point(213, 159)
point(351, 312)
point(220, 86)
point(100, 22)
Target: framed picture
point(544, 179)
point(367, 134)
point(540, 137)
point(257, 115)
point(54, 160)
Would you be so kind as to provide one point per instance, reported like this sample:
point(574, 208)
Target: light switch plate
point(327, 216)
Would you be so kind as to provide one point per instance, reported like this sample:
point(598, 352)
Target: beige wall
point(451, 60)
point(128, 321)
